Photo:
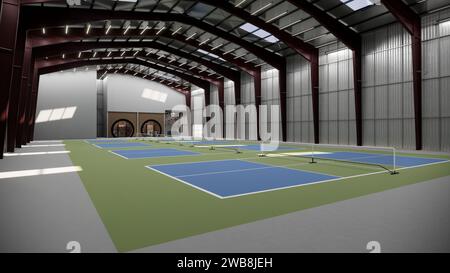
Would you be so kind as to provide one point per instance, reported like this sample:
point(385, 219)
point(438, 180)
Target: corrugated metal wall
point(229, 100)
point(387, 95)
point(247, 98)
point(388, 109)
point(436, 81)
point(336, 96)
point(214, 100)
point(299, 102)
point(270, 95)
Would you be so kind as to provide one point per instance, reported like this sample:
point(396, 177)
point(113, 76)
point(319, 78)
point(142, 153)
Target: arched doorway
point(122, 128)
point(151, 128)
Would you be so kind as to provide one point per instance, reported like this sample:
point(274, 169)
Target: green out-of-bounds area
point(141, 207)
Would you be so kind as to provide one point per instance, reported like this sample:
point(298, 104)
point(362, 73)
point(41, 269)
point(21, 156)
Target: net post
point(394, 171)
point(312, 154)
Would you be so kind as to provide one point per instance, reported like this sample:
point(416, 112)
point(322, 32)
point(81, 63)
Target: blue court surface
point(381, 159)
point(121, 145)
point(230, 178)
point(150, 153)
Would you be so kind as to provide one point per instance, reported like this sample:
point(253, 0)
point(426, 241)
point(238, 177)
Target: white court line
point(287, 187)
point(36, 153)
point(46, 171)
point(250, 169)
point(186, 183)
point(330, 180)
point(196, 153)
point(118, 154)
point(44, 145)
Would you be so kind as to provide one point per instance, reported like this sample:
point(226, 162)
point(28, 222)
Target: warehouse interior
point(90, 86)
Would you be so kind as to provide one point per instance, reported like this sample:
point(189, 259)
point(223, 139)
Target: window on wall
point(122, 128)
point(151, 128)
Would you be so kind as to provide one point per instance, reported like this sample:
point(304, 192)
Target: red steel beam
point(140, 55)
point(45, 66)
point(24, 97)
point(296, 44)
point(55, 36)
point(167, 83)
point(412, 23)
point(349, 37)
point(8, 28)
point(32, 111)
point(49, 50)
point(49, 17)
point(257, 85)
point(15, 88)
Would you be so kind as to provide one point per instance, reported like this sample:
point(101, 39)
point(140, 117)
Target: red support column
point(207, 89)
point(221, 91)
point(417, 83)
point(29, 106)
point(237, 91)
point(32, 113)
point(257, 85)
point(24, 97)
point(188, 99)
point(9, 19)
point(14, 90)
point(357, 82)
point(315, 95)
point(283, 99)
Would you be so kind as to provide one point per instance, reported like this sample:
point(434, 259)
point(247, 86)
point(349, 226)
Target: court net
point(375, 157)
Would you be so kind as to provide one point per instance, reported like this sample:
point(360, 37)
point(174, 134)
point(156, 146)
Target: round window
point(122, 128)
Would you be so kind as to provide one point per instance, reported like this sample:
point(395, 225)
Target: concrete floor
point(43, 213)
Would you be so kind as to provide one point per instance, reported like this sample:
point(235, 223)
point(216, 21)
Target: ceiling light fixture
point(240, 3)
point(191, 36)
point(261, 8)
point(176, 31)
point(142, 32)
point(126, 30)
point(229, 51)
point(205, 41)
point(290, 24)
point(159, 31)
point(276, 17)
point(216, 47)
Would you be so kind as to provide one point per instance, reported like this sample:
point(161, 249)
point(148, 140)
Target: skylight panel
point(358, 4)
point(259, 33)
point(249, 27)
